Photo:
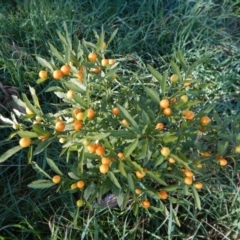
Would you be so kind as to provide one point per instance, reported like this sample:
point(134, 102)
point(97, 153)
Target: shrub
point(146, 139)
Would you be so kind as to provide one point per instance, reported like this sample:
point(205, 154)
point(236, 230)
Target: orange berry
point(73, 186)
point(206, 154)
point(56, 179)
point(24, 142)
point(65, 69)
point(115, 111)
point(80, 184)
point(165, 151)
point(171, 160)
point(104, 168)
point(164, 103)
point(104, 62)
point(173, 100)
point(80, 76)
point(163, 194)
point(159, 126)
point(43, 74)
point(90, 113)
point(121, 155)
point(106, 161)
point(57, 74)
point(70, 94)
point(81, 68)
point(60, 126)
point(92, 57)
point(91, 148)
point(188, 180)
point(76, 111)
point(198, 185)
point(145, 203)
point(77, 125)
point(223, 162)
point(79, 116)
point(188, 173)
point(189, 115)
point(187, 82)
point(80, 203)
point(184, 98)
point(125, 123)
point(140, 175)
point(174, 78)
point(205, 120)
point(95, 70)
point(104, 45)
point(138, 191)
point(100, 151)
point(167, 111)
point(111, 61)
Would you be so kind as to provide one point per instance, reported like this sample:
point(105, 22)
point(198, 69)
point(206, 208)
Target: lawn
point(150, 33)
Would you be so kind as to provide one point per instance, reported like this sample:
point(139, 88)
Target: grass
point(150, 31)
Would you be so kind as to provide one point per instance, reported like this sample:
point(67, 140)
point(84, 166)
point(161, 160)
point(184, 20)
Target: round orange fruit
point(24, 142)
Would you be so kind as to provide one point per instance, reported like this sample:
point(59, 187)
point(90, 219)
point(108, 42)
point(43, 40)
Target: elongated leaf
point(62, 38)
point(152, 94)
point(122, 133)
point(80, 101)
point(155, 73)
point(39, 170)
point(128, 117)
point(100, 41)
point(27, 134)
point(122, 169)
point(29, 105)
point(97, 136)
point(134, 164)
point(55, 53)
point(80, 159)
point(195, 64)
point(222, 147)
point(39, 131)
point(135, 208)
point(114, 179)
point(168, 139)
point(44, 63)
point(42, 145)
point(73, 176)
point(130, 182)
point(176, 70)
point(129, 149)
point(6, 120)
point(53, 166)
point(41, 184)
point(113, 35)
point(156, 178)
point(34, 96)
point(196, 198)
point(182, 60)
point(164, 83)
point(9, 153)
point(171, 188)
point(179, 160)
point(111, 72)
point(120, 199)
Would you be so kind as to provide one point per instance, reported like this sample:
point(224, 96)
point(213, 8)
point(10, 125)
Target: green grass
point(149, 32)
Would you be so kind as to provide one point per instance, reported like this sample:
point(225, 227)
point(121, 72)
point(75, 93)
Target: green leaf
point(164, 83)
point(128, 117)
point(196, 198)
point(238, 139)
point(155, 178)
point(155, 73)
point(41, 80)
point(34, 96)
point(44, 63)
point(100, 42)
point(195, 64)
point(182, 59)
point(120, 199)
point(80, 101)
point(112, 36)
point(130, 182)
point(135, 208)
point(152, 94)
point(122, 169)
point(39, 170)
point(62, 38)
point(122, 133)
point(134, 164)
point(80, 159)
point(29, 105)
point(55, 53)
point(97, 136)
point(176, 70)
point(222, 147)
point(27, 134)
point(42, 145)
point(130, 148)
point(9, 153)
point(73, 176)
point(171, 188)
point(39, 131)
point(179, 160)
point(53, 166)
point(114, 179)
point(111, 72)
point(168, 139)
point(41, 184)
